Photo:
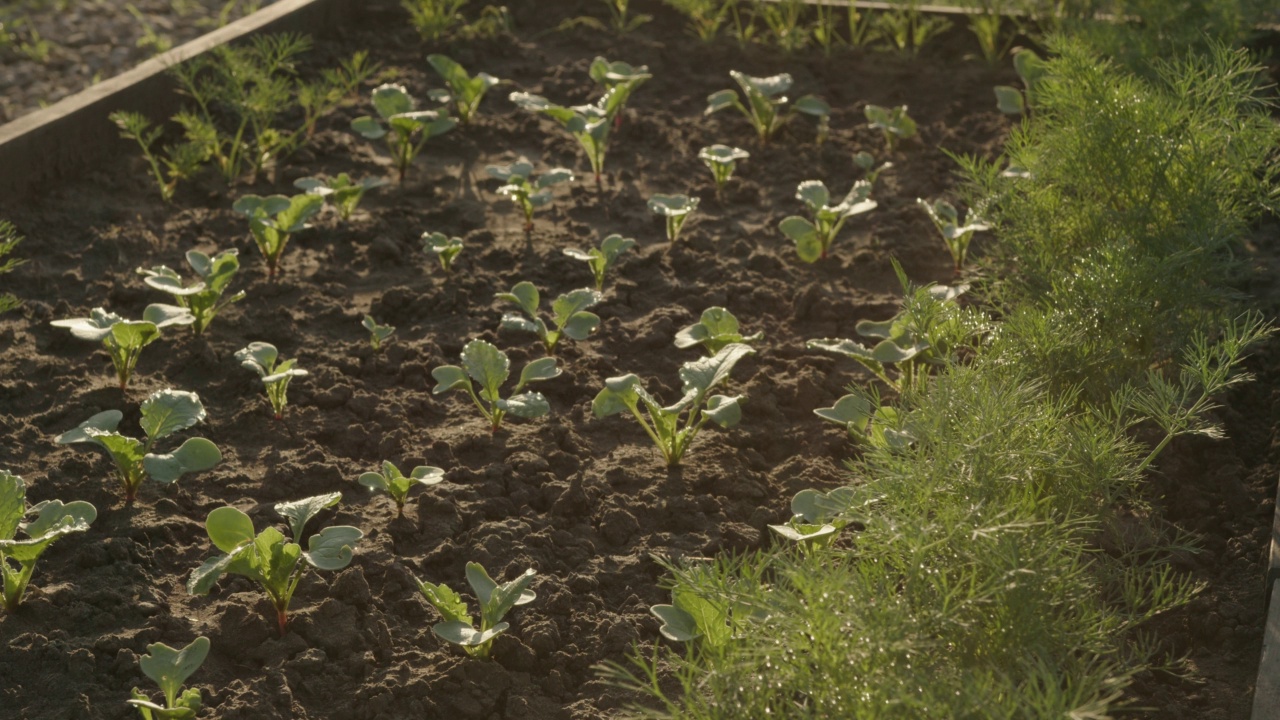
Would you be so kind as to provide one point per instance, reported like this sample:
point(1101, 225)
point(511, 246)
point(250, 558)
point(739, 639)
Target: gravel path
point(50, 49)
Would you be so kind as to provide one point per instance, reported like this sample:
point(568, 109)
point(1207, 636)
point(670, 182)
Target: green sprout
point(378, 334)
point(765, 103)
point(813, 238)
point(264, 359)
point(169, 668)
point(528, 194)
point(396, 484)
point(406, 130)
point(716, 329)
point(465, 91)
point(274, 219)
point(446, 249)
point(604, 257)
point(675, 209)
point(699, 377)
point(496, 601)
point(488, 366)
point(721, 160)
point(204, 297)
point(569, 314)
point(946, 218)
point(53, 520)
point(894, 123)
point(125, 339)
point(269, 558)
point(164, 413)
point(345, 192)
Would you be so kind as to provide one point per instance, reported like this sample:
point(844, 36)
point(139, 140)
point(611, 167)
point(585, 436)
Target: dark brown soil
point(583, 501)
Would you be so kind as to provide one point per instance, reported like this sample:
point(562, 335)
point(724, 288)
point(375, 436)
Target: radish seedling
point(528, 194)
point(487, 365)
point(604, 257)
point(867, 163)
point(170, 668)
point(269, 558)
point(722, 160)
point(894, 123)
point(264, 359)
point(714, 330)
point(378, 334)
point(464, 91)
point(868, 421)
point(699, 377)
point(619, 80)
point(273, 219)
point(496, 601)
point(444, 248)
point(813, 238)
point(588, 124)
point(396, 484)
point(1031, 70)
point(946, 218)
point(164, 413)
point(53, 520)
point(203, 298)
point(346, 193)
point(691, 616)
point(568, 314)
point(765, 103)
point(675, 209)
point(124, 339)
point(406, 130)
point(925, 332)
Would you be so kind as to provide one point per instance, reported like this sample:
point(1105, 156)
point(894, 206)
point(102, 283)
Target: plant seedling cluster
point(766, 104)
point(396, 484)
point(675, 210)
point(269, 558)
point(274, 219)
point(264, 359)
point(486, 365)
point(813, 237)
point(169, 668)
point(345, 193)
point(569, 316)
point(53, 520)
point(405, 128)
point(716, 329)
point(496, 600)
point(528, 194)
point(125, 339)
point(204, 297)
point(699, 377)
point(604, 257)
point(164, 413)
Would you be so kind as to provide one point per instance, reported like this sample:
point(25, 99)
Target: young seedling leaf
point(299, 512)
point(194, 455)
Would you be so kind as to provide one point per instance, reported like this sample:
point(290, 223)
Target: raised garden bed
point(582, 500)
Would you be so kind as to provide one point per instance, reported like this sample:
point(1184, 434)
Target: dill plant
point(975, 562)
